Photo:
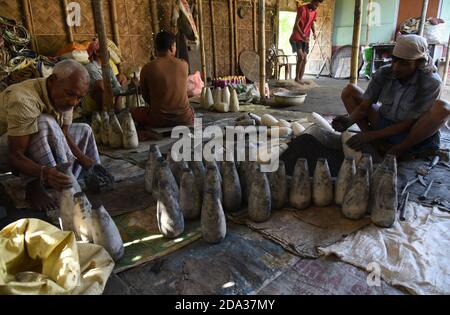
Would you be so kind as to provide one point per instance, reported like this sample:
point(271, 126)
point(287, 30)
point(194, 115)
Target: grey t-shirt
point(403, 101)
point(95, 73)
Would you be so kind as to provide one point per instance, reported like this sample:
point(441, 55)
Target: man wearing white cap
point(400, 106)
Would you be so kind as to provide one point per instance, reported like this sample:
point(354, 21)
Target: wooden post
point(277, 24)
point(447, 62)
point(369, 16)
point(255, 25)
point(202, 39)
point(213, 37)
point(423, 17)
point(68, 27)
point(233, 58)
point(115, 23)
point(155, 18)
point(29, 23)
point(236, 33)
point(99, 17)
point(356, 42)
point(262, 49)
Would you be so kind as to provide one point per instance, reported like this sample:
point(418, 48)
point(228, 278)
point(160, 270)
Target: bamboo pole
point(369, 16)
point(233, 58)
point(356, 42)
point(115, 26)
point(236, 33)
point(277, 24)
point(69, 30)
point(447, 62)
point(155, 18)
point(213, 37)
point(99, 17)
point(255, 25)
point(202, 39)
point(262, 49)
point(29, 23)
point(423, 17)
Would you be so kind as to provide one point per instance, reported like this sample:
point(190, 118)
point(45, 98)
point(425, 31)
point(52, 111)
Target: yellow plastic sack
point(60, 264)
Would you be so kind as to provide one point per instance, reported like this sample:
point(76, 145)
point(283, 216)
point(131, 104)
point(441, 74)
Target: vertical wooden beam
point(423, 17)
point(369, 17)
point(202, 38)
point(99, 17)
point(277, 23)
point(356, 43)
point(255, 25)
point(236, 32)
point(69, 30)
point(233, 58)
point(115, 27)
point(447, 62)
point(213, 37)
point(262, 48)
point(29, 23)
point(155, 18)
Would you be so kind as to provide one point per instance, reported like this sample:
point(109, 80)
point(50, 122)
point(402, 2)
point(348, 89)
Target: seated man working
point(164, 88)
point(401, 105)
point(94, 100)
point(37, 134)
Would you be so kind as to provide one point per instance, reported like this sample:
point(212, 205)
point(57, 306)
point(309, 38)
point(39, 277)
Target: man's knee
point(348, 91)
point(441, 110)
point(46, 121)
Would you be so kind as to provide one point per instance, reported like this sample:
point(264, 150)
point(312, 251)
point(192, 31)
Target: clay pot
point(259, 200)
point(301, 191)
point(130, 136)
point(323, 184)
point(151, 167)
point(115, 132)
point(96, 126)
point(169, 215)
point(190, 195)
point(231, 187)
point(344, 180)
point(105, 233)
point(234, 102)
point(384, 211)
point(82, 218)
point(356, 200)
point(213, 222)
point(278, 187)
point(105, 128)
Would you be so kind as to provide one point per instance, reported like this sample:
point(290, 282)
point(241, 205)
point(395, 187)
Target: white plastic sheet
point(413, 254)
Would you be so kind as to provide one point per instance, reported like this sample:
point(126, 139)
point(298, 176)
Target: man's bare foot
point(38, 198)
point(300, 82)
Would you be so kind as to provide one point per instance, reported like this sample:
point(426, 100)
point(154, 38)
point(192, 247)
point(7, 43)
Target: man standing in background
point(304, 24)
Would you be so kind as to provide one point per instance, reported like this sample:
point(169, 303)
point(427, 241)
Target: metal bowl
point(289, 98)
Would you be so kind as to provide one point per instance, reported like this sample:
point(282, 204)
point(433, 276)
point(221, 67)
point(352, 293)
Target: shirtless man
point(164, 87)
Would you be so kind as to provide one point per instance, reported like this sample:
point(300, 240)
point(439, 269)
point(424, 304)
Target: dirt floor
point(246, 262)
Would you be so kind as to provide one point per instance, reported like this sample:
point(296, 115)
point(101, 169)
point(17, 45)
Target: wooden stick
point(233, 58)
point(447, 62)
point(255, 25)
point(262, 49)
point(202, 39)
point(68, 27)
point(369, 16)
point(356, 42)
point(423, 17)
point(155, 18)
point(29, 23)
point(236, 34)
point(213, 36)
point(115, 26)
point(277, 24)
point(99, 17)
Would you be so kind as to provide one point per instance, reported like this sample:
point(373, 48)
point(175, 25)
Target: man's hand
point(342, 123)
point(86, 162)
point(358, 141)
point(56, 179)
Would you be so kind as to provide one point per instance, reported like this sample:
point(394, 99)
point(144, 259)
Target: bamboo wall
point(135, 26)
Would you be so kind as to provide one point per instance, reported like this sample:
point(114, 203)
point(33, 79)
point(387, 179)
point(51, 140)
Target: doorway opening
point(287, 21)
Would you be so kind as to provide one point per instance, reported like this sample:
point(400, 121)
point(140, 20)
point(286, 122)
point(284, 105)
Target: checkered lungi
point(49, 146)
